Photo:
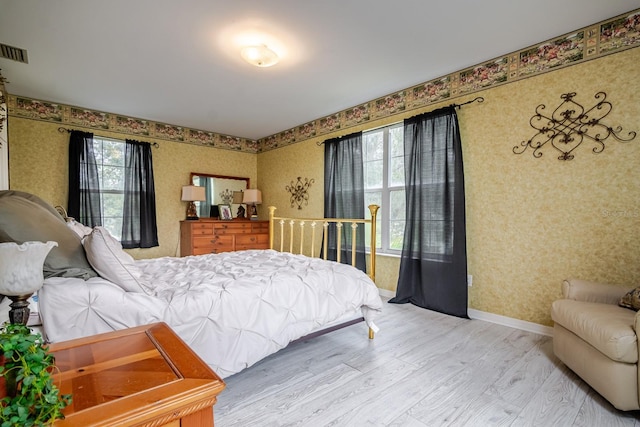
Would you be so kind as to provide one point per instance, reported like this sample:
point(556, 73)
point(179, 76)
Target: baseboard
point(386, 293)
point(510, 322)
point(494, 318)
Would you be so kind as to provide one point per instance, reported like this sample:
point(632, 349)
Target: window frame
point(99, 140)
point(384, 213)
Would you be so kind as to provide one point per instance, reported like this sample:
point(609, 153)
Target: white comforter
point(233, 309)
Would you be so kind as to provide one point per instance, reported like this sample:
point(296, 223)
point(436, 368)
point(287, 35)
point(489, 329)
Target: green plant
point(32, 397)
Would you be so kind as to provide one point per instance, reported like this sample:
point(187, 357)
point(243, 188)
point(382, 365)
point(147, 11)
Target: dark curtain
point(205, 206)
point(84, 182)
point(433, 266)
point(139, 227)
point(344, 195)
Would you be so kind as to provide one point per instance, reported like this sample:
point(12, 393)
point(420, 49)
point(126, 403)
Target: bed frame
point(303, 224)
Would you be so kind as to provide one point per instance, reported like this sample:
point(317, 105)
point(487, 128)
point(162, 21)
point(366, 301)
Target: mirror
point(219, 190)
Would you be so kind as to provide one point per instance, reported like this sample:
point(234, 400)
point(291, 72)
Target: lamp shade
point(238, 197)
point(21, 267)
point(193, 193)
point(252, 197)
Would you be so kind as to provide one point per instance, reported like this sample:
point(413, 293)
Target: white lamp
point(21, 275)
point(252, 197)
point(259, 55)
point(192, 193)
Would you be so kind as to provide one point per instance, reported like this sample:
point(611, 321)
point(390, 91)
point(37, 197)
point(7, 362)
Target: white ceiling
point(177, 62)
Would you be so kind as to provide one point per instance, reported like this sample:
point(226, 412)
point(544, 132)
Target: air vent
point(13, 53)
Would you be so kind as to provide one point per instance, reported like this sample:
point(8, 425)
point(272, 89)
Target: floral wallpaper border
point(610, 36)
point(84, 118)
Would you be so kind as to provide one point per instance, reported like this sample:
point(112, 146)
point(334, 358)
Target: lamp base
point(192, 213)
point(19, 313)
point(253, 212)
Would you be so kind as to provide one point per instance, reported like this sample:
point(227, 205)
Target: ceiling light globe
point(260, 56)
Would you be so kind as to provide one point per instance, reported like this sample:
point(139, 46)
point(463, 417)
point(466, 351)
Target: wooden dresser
point(143, 376)
point(206, 236)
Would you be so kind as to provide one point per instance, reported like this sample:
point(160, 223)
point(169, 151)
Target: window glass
point(384, 185)
point(109, 155)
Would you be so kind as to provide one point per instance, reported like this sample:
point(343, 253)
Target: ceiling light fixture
point(259, 55)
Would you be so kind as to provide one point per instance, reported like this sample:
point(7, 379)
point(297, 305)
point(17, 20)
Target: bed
point(233, 308)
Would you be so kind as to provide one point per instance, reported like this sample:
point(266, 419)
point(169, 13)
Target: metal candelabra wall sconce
point(299, 191)
point(568, 126)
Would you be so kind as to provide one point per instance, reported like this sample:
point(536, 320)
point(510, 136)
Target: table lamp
point(21, 275)
point(191, 194)
point(252, 197)
point(238, 196)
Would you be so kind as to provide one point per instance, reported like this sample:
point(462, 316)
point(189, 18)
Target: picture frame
point(214, 212)
point(225, 212)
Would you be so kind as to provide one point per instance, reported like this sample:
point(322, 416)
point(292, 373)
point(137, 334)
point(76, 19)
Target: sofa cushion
point(607, 327)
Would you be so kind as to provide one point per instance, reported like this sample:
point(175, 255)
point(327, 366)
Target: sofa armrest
point(583, 290)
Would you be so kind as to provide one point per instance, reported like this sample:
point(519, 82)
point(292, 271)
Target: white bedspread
point(233, 309)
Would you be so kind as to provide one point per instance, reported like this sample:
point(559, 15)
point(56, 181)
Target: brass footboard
point(313, 223)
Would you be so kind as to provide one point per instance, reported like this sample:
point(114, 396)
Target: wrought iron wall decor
point(299, 191)
point(568, 126)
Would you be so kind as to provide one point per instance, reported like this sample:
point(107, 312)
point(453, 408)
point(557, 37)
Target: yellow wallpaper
point(38, 164)
point(530, 222)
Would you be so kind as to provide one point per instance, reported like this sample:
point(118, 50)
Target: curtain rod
point(63, 130)
point(478, 99)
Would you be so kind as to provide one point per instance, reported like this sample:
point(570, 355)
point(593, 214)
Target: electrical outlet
point(469, 280)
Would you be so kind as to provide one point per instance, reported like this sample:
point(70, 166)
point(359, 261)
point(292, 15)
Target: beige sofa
point(597, 339)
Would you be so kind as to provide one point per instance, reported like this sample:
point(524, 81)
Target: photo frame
point(225, 212)
point(214, 212)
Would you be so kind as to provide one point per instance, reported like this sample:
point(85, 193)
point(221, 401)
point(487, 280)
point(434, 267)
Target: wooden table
point(143, 376)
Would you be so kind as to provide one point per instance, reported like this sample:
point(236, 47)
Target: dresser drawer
point(260, 227)
point(212, 244)
point(201, 228)
point(232, 227)
point(252, 241)
point(215, 236)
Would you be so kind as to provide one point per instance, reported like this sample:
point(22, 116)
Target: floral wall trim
point(604, 38)
point(3, 102)
point(97, 120)
point(299, 192)
point(610, 36)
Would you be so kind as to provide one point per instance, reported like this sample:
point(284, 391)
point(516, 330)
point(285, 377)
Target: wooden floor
point(422, 369)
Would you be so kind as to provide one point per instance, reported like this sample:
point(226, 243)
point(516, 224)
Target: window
point(384, 185)
point(110, 161)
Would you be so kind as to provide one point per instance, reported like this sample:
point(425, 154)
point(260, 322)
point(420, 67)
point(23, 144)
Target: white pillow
point(106, 256)
point(80, 229)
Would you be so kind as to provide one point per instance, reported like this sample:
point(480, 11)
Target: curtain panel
point(205, 206)
point(84, 183)
point(344, 195)
point(139, 226)
point(433, 265)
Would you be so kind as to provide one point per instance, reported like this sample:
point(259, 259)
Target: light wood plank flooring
point(422, 369)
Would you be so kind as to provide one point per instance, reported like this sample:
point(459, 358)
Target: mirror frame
point(209, 175)
point(239, 178)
